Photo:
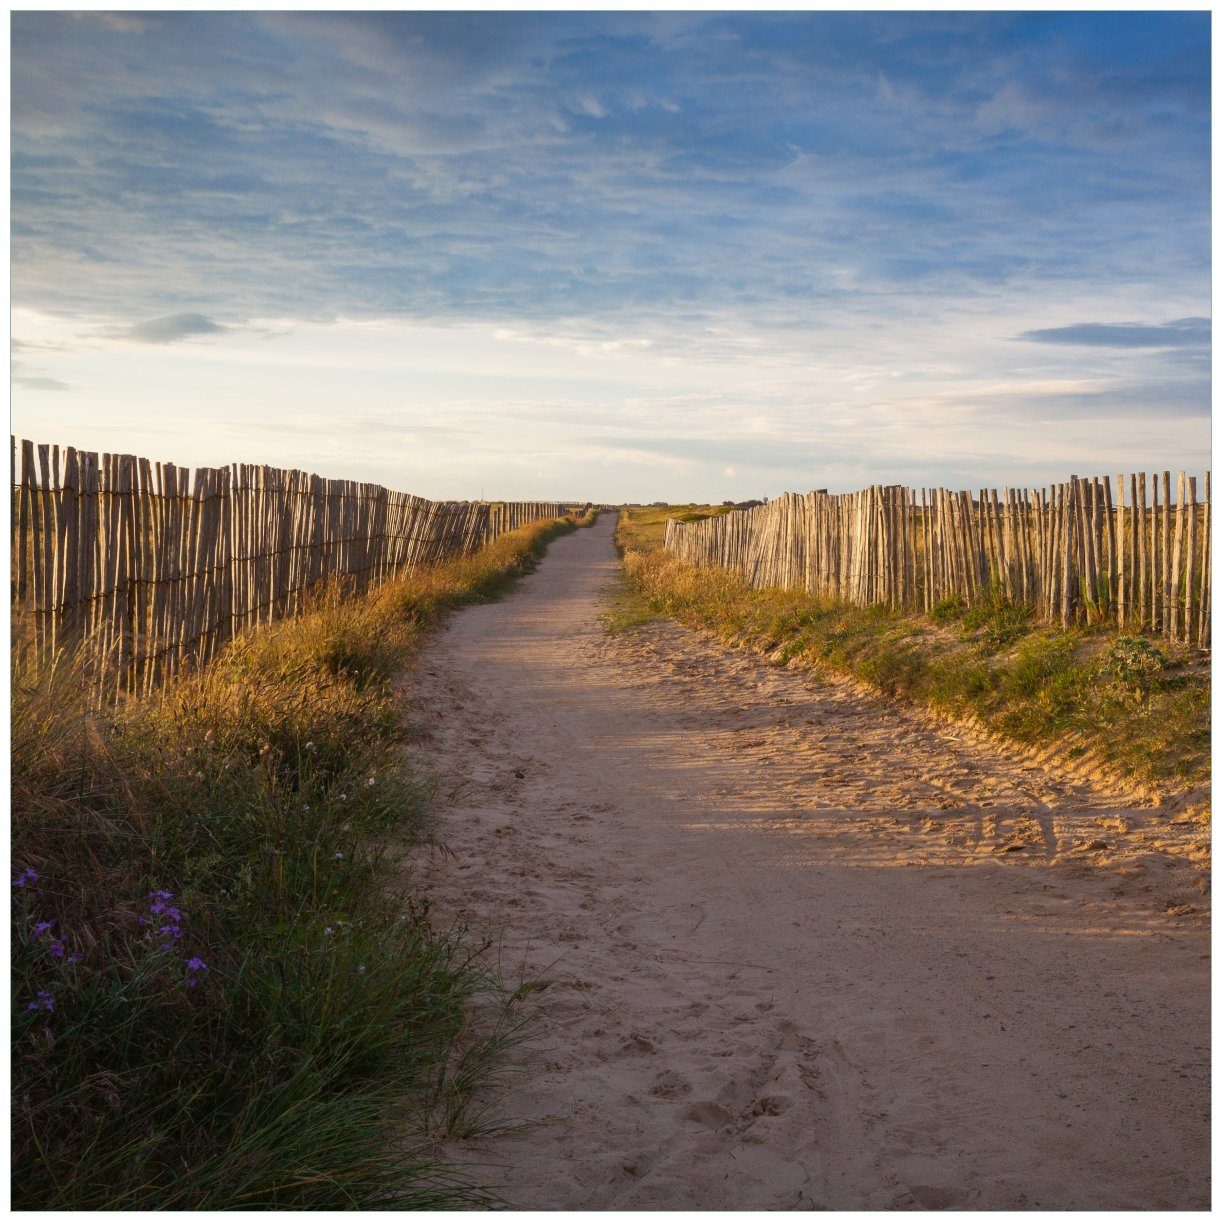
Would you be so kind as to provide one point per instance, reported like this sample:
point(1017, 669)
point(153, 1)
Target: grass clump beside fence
point(221, 997)
point(1140, 708)
point(643, 528)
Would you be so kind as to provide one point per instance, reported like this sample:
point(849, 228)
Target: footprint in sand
point(636, 1042)
point(670, 1085)
point(709, 1114)
point(771, 1105)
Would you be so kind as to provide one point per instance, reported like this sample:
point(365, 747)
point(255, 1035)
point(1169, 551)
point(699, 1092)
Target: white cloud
point(588, 104)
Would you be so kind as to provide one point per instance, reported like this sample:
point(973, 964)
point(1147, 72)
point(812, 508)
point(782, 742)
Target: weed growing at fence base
point(1141, 707)
point(220, 1000)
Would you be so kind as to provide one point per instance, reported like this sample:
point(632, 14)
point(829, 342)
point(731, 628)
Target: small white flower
point(337, 857)
point(360, 967)
point(305, 810)
point(371, 781)
point(309, 746)
point(328, 931)
point(343, 797)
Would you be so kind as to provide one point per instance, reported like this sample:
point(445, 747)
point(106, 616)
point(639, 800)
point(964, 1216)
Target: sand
point(799, 947)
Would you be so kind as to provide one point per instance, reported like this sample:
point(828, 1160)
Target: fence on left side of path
point(150, 564)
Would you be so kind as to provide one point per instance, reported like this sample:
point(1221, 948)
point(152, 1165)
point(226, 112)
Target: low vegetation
point(1138, 706)
point(643, 528)
point(223, 998)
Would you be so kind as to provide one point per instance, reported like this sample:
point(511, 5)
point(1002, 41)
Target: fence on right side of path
point(1072, 552)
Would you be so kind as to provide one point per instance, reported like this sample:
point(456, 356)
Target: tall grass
point(224, 996)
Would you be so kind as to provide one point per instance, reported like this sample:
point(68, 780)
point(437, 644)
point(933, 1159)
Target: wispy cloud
point(170, 328)
point(29, 379)
point(776, 454)
point(1180, 333)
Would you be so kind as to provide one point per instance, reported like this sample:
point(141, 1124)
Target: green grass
point(643, 528)
point(335, 1033)
point(1140, 707)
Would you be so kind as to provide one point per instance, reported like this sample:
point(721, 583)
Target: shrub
point(1135, 665)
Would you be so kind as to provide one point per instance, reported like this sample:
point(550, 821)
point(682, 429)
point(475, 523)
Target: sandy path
point(791, 963)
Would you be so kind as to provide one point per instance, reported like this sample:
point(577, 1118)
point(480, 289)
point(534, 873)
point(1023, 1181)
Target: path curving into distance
point(793, 956)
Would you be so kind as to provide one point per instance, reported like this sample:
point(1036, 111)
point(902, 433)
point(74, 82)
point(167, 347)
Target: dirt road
point(803, 949)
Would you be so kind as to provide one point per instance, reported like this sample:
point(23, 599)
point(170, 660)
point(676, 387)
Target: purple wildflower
point(57, 948)
point(195, 965)
point(44, 1001)
point(170, 915)
point(27, 875)
point(42, 927)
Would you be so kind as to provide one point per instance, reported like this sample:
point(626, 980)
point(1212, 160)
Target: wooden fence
point(151, 564)
point(1073, 552)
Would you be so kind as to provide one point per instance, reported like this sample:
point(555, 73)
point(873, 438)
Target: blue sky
point(626, 255)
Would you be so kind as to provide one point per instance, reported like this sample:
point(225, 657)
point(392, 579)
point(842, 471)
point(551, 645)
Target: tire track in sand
point(794, 958)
